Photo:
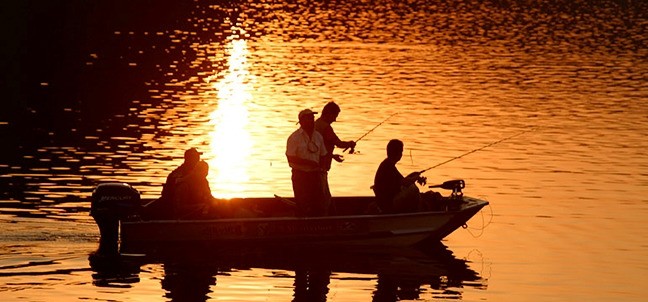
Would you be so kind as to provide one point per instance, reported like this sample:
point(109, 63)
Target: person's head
point(192, 156)
point(307, 119)
point(330, 112)
point(202, 168)
point(395, 149)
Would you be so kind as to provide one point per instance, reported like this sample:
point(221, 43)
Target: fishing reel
point(455, 185)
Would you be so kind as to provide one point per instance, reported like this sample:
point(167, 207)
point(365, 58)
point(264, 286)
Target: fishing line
point(484, 223)
point(480, 148)
point(482, 261)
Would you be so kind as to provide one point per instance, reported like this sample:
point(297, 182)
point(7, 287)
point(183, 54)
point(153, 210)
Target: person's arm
point(414, 177)
point(345, 144)
point(340, 143)
point(169, 185)
point(302, 162)
point(331, 136)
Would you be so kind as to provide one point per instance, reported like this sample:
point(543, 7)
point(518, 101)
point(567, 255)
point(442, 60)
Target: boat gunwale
point(469, 204)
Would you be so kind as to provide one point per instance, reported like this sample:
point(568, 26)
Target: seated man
point(186, 188)
point(395, 193)
point(193, 195)
point(191, 158)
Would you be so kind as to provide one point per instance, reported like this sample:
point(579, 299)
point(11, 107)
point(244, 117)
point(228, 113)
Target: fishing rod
point(475, 150)
point(366, 133)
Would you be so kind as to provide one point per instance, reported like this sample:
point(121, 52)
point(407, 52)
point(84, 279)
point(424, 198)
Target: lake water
point(101, 91)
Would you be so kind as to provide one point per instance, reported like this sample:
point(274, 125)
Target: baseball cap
point(192, 152)
point(305, 112)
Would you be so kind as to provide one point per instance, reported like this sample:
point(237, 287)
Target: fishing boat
point(127, 222)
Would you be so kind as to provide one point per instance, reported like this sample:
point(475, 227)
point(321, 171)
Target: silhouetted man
point(395, 193)
point(305, 151)
point(331, 140)
point(186, 188)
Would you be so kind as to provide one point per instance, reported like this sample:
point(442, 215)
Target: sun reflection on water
point(230, 141)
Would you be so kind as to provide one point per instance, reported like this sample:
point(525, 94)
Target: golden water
point(567, 220)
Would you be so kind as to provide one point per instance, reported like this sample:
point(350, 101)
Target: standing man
point(331, 140)
point(305, 151)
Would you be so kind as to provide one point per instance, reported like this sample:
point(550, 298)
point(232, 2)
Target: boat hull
point(347, 230)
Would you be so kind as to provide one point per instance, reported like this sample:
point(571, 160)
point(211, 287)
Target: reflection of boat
point(117, 205)
point(190, 270)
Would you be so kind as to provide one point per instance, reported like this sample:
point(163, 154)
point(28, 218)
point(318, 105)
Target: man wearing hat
point(187, 183)
point(305, 151)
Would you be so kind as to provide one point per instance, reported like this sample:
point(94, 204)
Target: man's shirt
point(301, 145)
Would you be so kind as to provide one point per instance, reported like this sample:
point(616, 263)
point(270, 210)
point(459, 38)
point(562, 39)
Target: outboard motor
point(112, 203)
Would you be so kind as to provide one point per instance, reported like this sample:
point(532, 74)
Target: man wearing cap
point(186, 187)
point(331, 140)
point(305, 151)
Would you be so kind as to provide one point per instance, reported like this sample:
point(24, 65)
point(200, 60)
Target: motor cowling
point(114, 199)
point(111, 203)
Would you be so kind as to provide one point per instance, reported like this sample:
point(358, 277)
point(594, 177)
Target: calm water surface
point(116, 90)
